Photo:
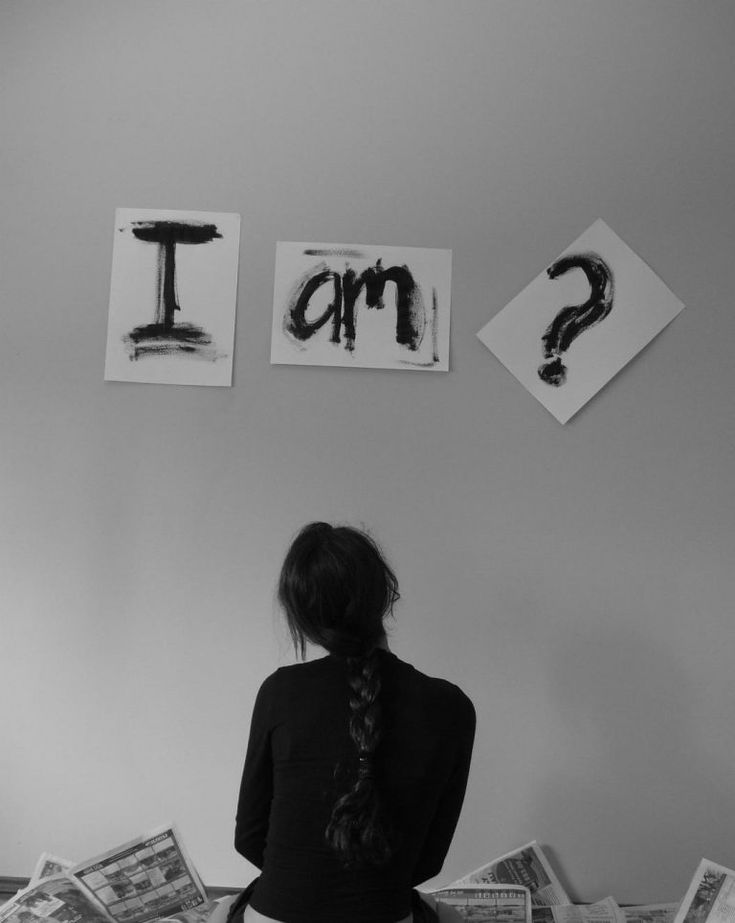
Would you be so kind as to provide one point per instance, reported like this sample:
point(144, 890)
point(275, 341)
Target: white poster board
point(580, 321)
point(355, 305)
point(173, 297)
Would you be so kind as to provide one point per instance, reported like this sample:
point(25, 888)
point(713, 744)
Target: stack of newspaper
point(149, 878)
point(521, 887)
point(152, 878)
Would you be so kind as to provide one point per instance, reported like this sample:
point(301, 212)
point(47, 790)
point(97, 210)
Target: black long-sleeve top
point(298, 737)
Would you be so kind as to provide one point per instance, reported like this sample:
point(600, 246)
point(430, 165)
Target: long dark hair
point(336, 589)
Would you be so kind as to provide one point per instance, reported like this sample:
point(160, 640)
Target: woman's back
point(301, 758)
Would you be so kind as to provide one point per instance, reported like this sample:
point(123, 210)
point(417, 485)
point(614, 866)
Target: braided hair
point(336, 588)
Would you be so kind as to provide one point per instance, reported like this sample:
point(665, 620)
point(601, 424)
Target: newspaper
point(527, 866)
point(651, 913)
point(58, 899)
point(48, 865)
point(604, 911)
point(147, 878)
point(197, 915)
point(710, 896)
point(483, 903)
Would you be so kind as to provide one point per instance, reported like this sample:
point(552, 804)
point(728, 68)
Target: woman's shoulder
point(296, 674)
point(437, 688)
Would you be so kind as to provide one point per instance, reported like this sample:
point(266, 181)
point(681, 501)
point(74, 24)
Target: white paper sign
point(173, 297)
point(580, 321)
point(356, 305)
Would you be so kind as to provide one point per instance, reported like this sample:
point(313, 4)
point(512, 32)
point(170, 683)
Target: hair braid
point(365, 727)
point(336, 589)
point(358, 830)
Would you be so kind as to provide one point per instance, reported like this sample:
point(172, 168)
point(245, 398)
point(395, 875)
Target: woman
point(357, 763)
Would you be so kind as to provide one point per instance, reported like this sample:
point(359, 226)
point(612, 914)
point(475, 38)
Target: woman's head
point(336, 589)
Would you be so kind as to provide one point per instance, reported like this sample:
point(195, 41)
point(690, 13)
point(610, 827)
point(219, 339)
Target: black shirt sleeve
point(444, 822)
point(256, 787)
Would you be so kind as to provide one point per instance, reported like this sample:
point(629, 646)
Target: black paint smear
point(177, 232)
point(434, 336)
point(295, 321)
point(410, 313)
point(164, 336)
point(167, 234)
point(159, 340)
point(353, 254)
point(574, 319)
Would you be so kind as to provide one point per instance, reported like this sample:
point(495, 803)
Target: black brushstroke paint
point(337, 251)
point(159, 340)
point(429, 363)
point(164, 336)
point(410, 313)
point(574, 319)
point(297, 324)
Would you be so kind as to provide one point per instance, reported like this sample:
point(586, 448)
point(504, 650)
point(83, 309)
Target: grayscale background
point(577, 581)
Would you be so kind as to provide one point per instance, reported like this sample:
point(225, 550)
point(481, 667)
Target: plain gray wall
point(577, 580)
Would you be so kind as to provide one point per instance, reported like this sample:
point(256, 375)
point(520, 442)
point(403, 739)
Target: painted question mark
point(574, 319)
